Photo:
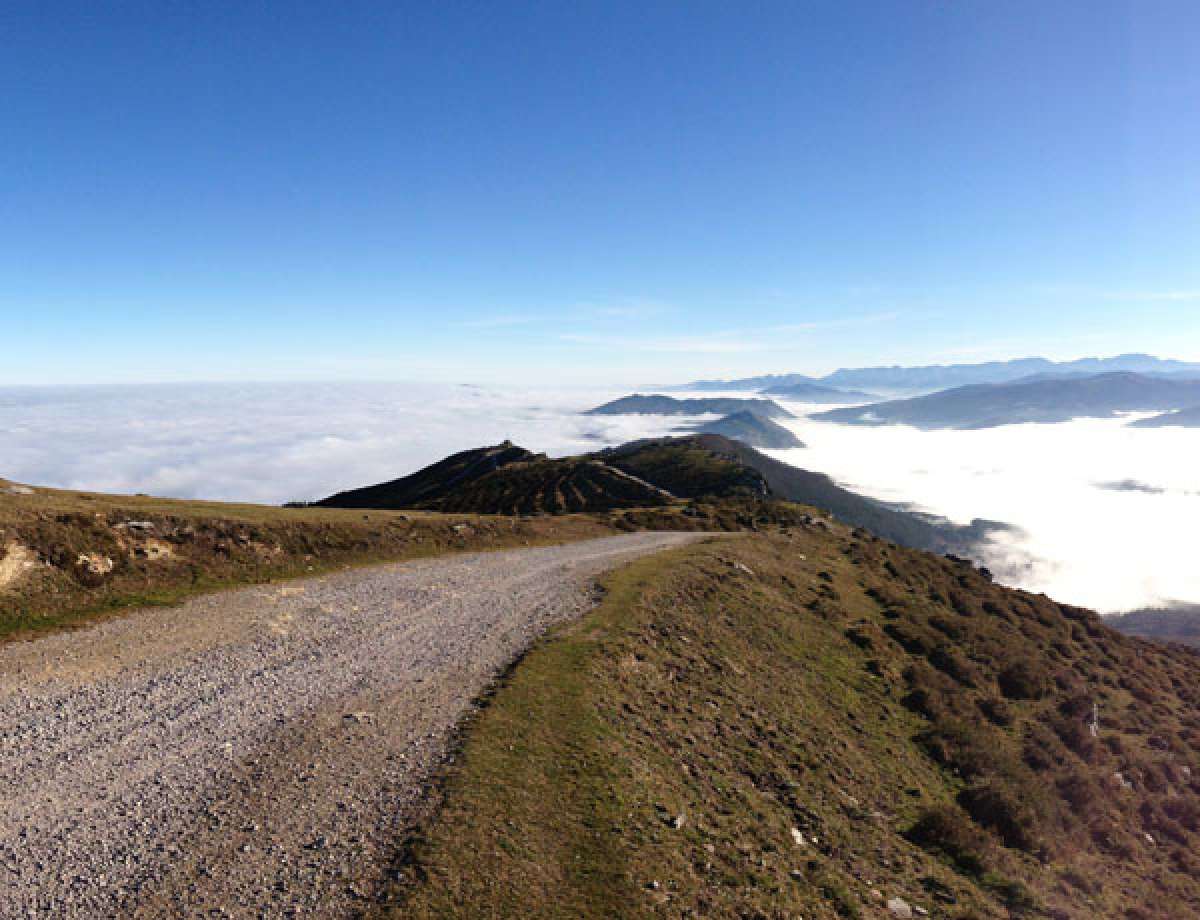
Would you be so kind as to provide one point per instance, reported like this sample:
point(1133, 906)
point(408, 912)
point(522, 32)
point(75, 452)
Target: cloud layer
point(276, 442)
point(1107, 511)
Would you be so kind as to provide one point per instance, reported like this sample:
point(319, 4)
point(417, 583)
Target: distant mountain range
point(764, 382)
point(818, 393)
point(1178, 623)
point(640, 404)
point(1185, 418)
point(505, 479)
point(751, 429)
point(944, 376)
point(1041, 400)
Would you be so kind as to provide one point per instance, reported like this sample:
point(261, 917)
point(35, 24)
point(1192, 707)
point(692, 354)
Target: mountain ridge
point(666, 470)
point(1040, 400)
point(658, 404)
point(945, 376)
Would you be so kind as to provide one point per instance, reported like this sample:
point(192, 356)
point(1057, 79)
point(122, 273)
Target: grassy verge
point(657, 759)
point(768, 727)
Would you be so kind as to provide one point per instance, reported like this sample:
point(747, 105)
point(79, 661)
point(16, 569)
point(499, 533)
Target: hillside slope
point(753, 430)
point(660, 472)
point(427, 486)
point(1043, 400)
point(559, 485)
point(821, 725)
point(713, 465)
point(1178, 623)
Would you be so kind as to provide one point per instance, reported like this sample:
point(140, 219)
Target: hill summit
point(654, 472)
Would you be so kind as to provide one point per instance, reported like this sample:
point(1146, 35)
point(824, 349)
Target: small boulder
point(900, 908)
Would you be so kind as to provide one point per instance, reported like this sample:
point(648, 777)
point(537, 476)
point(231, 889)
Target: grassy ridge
point(812, 724)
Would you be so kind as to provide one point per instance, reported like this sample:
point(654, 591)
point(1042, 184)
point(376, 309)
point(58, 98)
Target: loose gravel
point(259, 753)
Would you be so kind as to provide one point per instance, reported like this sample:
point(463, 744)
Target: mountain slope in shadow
point(1042, 400)
point(505, 479)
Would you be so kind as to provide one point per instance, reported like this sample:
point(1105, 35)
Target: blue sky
point(582, 191)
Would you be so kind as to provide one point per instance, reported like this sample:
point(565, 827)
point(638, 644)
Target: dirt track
point(258, 753)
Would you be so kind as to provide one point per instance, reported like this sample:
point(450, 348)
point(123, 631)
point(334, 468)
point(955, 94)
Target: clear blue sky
point(626, 191)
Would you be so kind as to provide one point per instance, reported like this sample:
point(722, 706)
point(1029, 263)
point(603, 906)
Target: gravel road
point(259, 753)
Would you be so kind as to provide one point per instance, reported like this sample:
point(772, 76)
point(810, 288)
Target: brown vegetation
point(811, 723)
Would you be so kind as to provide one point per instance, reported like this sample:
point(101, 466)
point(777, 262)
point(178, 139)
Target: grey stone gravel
point(259, 753)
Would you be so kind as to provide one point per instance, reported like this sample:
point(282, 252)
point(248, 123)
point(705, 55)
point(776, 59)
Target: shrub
point(947, 831)
point(1021, 681)
point(1001, 810)
point(996, 711)
point(946, 660)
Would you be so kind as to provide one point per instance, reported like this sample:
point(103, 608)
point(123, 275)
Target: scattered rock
point(94, 563)
point(679, 821)
point(14, 489)
point(16, 561)
point(138, 526)
point(798, 837)
point(900, 908)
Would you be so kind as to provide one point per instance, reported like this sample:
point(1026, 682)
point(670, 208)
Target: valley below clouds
point(1102, 514)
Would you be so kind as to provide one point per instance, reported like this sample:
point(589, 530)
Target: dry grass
point(808, 724)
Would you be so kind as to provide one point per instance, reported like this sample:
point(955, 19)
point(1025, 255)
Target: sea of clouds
point(278, 442)
point(1107, 512)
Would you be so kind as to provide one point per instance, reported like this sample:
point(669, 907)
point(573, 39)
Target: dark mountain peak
point(434, 482)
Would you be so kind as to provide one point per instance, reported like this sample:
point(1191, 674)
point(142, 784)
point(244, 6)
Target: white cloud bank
point(1098, 546)
point(1105, 548)
point(276, 442)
